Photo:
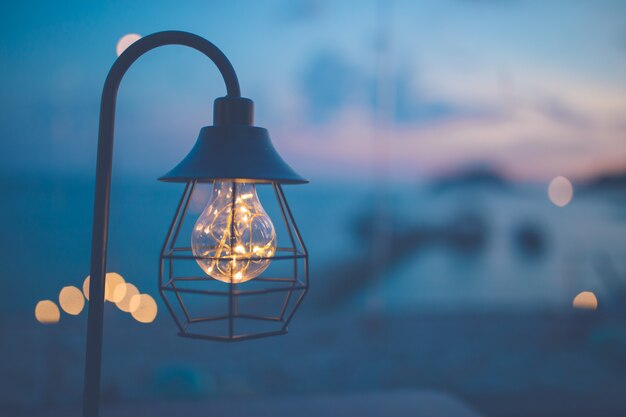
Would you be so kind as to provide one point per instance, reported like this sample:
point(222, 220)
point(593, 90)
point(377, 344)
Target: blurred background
point(465, 219)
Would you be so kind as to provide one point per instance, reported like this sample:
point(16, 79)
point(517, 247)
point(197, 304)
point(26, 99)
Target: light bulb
point(234, 237)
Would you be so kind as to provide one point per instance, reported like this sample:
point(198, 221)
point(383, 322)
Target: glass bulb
point(235, 234)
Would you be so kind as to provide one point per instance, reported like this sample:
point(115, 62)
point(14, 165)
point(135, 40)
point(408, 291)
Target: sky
point(347, 89)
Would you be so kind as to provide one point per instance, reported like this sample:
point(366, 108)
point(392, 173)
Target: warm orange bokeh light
point(119, 293)
point(113, 280)
point(585, 300)
point(143, 308)
point(114, 289)
point(86, 288)
point(71, 300)
point(47, 312)
point(129, 293)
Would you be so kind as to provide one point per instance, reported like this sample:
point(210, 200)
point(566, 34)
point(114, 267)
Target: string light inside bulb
point(234, 238)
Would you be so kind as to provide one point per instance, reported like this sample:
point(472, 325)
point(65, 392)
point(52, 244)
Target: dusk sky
point(535, 88)
point(461, 244)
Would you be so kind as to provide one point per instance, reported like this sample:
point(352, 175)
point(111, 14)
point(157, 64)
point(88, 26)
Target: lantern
point(234, 251)
point(234, 272)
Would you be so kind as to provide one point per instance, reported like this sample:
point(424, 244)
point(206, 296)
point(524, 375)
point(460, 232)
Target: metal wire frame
point(294, 286)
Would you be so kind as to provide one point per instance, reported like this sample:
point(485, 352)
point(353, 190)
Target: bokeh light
point(71, 300)
point(47, 312)
point(126, 41)
point(86, 288)
point(129, 292)
point(143, 308)
point(114, 281)
point(585, 300)
point(119, 293)
point(560, 191)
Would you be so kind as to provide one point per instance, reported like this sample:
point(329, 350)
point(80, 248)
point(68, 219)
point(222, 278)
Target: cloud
point(562, 113)
point(301, 10)
point(331, 84)
point(570, 128)
point(415, 106)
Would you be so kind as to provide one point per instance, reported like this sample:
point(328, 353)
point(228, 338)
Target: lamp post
point(234, 243)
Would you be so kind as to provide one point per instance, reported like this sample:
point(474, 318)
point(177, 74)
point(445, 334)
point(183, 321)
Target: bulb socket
point(233, 111)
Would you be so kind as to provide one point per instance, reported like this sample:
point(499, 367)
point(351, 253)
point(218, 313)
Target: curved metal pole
point(103, 188)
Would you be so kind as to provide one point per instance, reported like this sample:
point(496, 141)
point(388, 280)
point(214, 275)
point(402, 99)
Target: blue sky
point(536, 88)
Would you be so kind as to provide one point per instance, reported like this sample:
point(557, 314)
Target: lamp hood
point(232, 149)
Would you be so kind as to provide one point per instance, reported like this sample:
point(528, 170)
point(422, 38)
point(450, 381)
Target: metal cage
point(206, 308)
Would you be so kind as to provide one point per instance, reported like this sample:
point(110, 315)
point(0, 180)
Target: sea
point(474, 246)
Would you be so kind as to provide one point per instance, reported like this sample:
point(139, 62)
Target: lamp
point(233, 254)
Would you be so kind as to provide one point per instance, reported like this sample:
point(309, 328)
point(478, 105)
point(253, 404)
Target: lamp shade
point(233, 152)
point(233, 149)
